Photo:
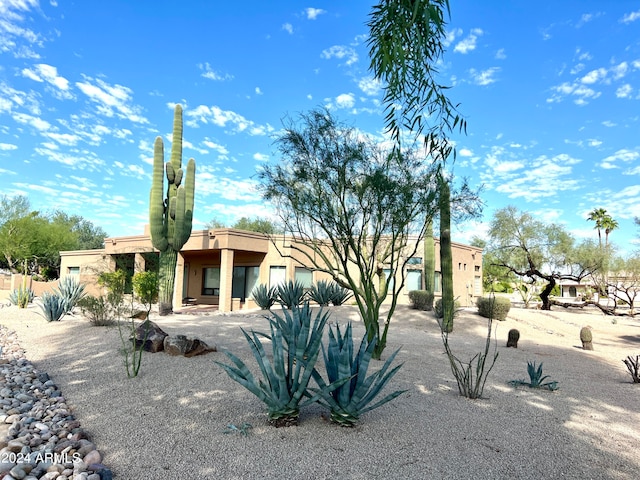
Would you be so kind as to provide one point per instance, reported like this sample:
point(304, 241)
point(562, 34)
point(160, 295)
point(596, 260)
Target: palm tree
point(598, 215)
point(608, 224)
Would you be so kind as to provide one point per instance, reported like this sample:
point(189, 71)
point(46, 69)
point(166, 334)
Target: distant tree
point(493, 275)
point(213, 224)
point(603, 221)
point(530, 248)
point(255, 224)
point(13, 207)
point(88, 236)
point(349, 209)
point(609, 225)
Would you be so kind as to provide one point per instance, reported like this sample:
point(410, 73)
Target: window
point(477, 268)
point(211, 281)
point(459, 266)
point(390, 282)
point(465, 267)
point(244, 279)
point(437, 284)
point(414, 280)
point(277, 276)
point(477, 285)
point(73, 270)
point(414, 261)
point(304, 276)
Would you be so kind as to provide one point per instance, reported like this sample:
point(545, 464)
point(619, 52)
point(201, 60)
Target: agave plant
point(356, 392)
point(339, 294)
point(21, 296)
point(264, 296)
point(291, 294)
point(536, 378)
point(71, 291)
point(53, 306)
point(295, 347)
point(321, 293)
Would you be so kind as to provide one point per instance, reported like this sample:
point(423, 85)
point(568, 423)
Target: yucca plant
point(536, 378)
point(265, 297)
point(354, 397)
point(291, 294)
point(295, 346)
point(53, 306)
point(321, 293)
point(339, 294)
point(71, 291)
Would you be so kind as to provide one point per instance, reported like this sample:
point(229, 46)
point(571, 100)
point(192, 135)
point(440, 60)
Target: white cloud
point(287, 27)
point(13, 13)
point(345, 100)
point(592, 142)
point(565, 89)
point(451, 36)
point(625, 91)
point(630, 17)
point(468, 44)
point(8, 146)
point(222, 150)
point(48, 73)
point(484, 77)
point(216, 116)
point(500, 55)
point(258, 91)
point(313, 13)
point(594, 76)
point(111, 99)
point(35, 122)
point(623, 155)
point(340, 51)
point(370, 86)
point(208, 72)
point(465, 152)
point(260, 157)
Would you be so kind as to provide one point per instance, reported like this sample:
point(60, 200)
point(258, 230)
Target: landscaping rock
point(151, 335)
point(187, 347)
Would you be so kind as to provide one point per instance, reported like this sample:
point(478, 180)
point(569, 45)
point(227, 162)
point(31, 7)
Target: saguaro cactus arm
point(157, 218)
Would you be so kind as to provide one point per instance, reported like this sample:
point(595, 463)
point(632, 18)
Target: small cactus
point(514, 336)
point(586, 338)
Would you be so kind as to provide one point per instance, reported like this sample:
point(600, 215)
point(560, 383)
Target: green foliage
point(421, 300)
point(471, 376)
point(446, 256)
point(72, 291)
point(321, 292)
point(21, 297)
point(265, 297)
point(536, 379)
point(429, 261)
point(493, 307)
point(53, 306)
point(351, 399)
point(291, 294)
point(438, 310)
point(339, 294)
point(633, 366)
point(115, 283)
point(98, 310)
point(145, 287)
point(295, 346)
point(260, 225)
point(170, 218)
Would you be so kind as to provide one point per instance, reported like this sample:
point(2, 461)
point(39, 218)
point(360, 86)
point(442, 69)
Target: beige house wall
point(228, 249)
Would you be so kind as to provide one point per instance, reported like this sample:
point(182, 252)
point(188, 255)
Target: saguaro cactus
point(170, 217)
point(446, 261)
point(429, 262)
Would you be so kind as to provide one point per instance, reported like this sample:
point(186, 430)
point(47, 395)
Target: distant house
point(221, 267)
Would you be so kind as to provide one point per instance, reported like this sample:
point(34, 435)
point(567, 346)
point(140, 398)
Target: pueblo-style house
point(221, 266)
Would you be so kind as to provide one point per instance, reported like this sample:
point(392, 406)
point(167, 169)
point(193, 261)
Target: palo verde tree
point(533, 249)
point(348, 209)
point(170, 213)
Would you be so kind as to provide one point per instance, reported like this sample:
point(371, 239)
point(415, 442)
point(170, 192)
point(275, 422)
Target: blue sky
point(550, 91)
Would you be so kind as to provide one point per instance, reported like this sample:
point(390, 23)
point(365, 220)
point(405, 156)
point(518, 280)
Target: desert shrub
point(53, 306)
point(493, 307)
point(437, 308)
point(145, 288)
point(321, 293)
point(21, 296)
point(71, 291)
point(115, 283)
point(98, 310)
point(264, 296)
point(421, 300)
point(339, 294)
point(291, 294)
point(633, 365)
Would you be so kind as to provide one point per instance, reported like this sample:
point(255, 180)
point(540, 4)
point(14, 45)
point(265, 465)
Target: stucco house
point(221, 267)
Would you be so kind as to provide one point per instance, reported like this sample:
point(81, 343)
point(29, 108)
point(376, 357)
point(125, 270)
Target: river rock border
point(39, 436)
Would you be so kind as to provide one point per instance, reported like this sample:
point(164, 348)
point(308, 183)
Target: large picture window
point(414, 280)
point(304, 276)
point(277, 276)
point(211, 281)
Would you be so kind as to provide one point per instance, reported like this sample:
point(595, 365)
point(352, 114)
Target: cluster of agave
point(292, 294)
point(296, 341)
point(57, 304)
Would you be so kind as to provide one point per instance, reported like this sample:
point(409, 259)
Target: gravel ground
point(168, 423)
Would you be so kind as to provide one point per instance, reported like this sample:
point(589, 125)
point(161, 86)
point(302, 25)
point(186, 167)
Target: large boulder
point(187, 347)
point(151, 335)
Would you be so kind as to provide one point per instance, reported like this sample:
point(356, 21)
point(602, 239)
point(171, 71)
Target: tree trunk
point(166, 280)
point(544, 295)
point(446, 261)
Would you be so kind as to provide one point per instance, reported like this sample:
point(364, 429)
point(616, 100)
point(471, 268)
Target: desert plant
point(170, 217)
point(493, 307)
point(472, 375)
point(21, 297)
point(291, 294)
point(513, 337)
point(633, 365)
point(145, 288)
point(339, 294)
point(421, 300)
point(295, 346)
point(321, 293)
point(53, 306)
point(98, 310)
point(438, 310)
point(536, 378)
point(586, 338)
point(243, 429)
point(265, 297)
point(353, 398)
point(71, 291)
